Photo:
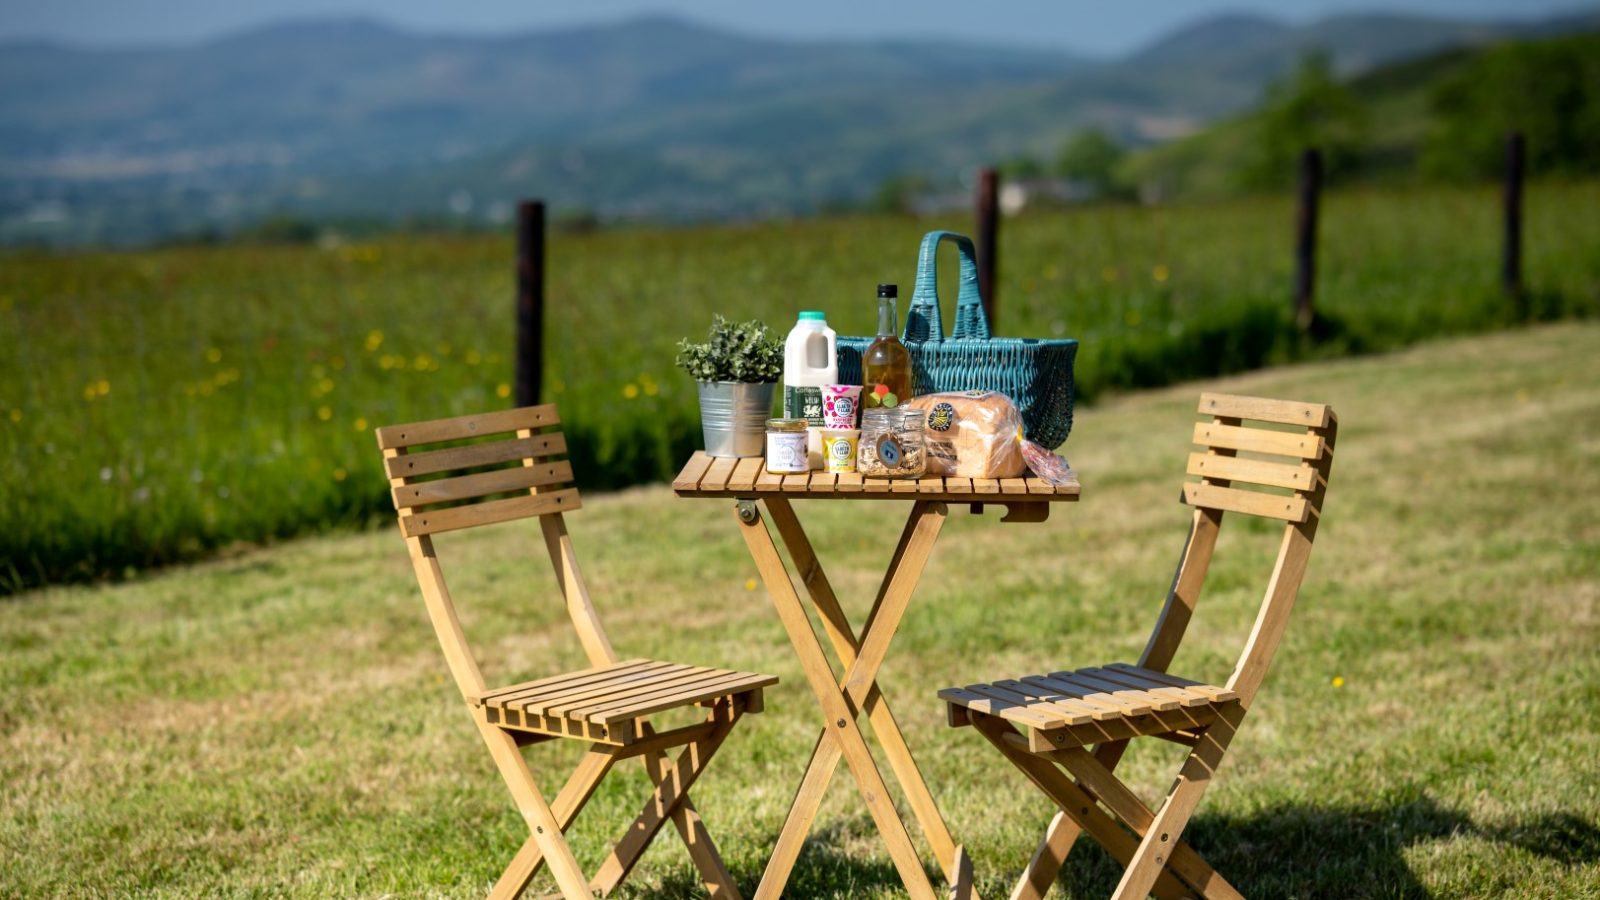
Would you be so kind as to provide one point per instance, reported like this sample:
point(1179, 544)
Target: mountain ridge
point(355, 116)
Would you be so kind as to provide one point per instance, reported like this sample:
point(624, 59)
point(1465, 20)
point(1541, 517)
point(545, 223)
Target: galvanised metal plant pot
point(734, 416)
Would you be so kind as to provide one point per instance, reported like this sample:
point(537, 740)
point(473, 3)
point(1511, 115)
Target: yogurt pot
point(839, 449)
point(840, 404)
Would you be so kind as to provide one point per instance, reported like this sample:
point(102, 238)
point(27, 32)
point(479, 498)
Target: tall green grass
point(158, 405)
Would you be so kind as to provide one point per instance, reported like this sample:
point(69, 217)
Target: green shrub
point(747, 352)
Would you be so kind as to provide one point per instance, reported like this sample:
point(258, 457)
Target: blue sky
point(1101, 27)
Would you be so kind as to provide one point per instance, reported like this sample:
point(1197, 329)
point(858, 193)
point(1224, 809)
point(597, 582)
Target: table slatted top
point(706, 476)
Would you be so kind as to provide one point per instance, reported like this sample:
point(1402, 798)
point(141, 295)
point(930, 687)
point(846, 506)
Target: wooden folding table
point(759, 495)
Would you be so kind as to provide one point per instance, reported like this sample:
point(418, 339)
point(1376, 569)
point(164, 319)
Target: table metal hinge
point(747, 512)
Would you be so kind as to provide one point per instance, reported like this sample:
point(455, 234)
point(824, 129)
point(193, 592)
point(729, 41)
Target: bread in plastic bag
point(1052, 467)
point(971, 434)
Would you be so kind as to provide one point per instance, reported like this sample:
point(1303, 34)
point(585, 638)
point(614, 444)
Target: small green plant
point(744, 351)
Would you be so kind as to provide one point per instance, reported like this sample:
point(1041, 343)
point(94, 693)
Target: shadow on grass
point(1311, 850)
point(823, 870)
point(1290, 850)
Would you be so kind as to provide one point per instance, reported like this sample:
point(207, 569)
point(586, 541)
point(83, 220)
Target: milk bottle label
point(803, 403)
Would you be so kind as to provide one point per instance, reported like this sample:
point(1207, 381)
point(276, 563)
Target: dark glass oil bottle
point(886, 366)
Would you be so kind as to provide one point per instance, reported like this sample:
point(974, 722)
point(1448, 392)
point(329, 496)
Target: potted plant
point(737, 368)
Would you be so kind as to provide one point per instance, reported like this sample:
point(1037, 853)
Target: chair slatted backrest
point(467, 471)
point(468, 474)
point(1285, 477)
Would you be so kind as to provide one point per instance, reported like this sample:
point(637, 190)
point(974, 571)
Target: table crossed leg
point(825, 757)
point(857, 691)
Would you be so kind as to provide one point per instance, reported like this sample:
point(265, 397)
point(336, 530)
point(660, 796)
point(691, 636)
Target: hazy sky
point(1092, 26)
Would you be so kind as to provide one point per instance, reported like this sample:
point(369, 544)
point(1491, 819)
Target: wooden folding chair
point(1044, 723)
point(605, 705)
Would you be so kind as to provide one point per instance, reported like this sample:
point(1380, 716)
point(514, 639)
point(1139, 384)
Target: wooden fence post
point(988, 214)
point(530, 301)
point(1511, 200)
point(1305, 242)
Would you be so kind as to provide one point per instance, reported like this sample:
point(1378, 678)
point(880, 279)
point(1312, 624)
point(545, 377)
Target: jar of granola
point(892, 444)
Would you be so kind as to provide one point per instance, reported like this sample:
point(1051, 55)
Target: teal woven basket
point(1035, 374)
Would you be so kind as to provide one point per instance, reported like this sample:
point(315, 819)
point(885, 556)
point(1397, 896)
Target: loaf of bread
point(972, 434)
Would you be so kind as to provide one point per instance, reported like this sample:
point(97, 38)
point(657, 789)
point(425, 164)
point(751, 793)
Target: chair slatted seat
point(1071, 709)
point(498, 467)
point(1045, 724)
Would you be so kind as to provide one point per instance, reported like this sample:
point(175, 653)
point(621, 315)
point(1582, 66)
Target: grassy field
point(160, 405)
point(280, 721)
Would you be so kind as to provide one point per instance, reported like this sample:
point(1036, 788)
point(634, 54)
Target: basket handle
point(923, 319)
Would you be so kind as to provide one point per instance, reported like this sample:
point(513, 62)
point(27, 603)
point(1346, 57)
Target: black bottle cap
point(888, 290)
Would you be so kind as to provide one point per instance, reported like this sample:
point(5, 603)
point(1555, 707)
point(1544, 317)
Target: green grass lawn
point(158, 406)
point(280, 720)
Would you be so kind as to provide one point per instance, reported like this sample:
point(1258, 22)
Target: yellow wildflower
point(213, 355)
point(1338, 681)
point(1160, 272)
point(749, 584)
point(339, 474)
point(360, 424)
point(102, 387)
point(374, 340)
point(324, 413)
point(503, 390)
point(630, 390)
point(16, 415)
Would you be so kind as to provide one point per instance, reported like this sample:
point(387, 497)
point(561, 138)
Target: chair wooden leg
point(961, 880)
point(1047, 860)
point(714, 874)
point(535, 811)
point(1098, 780)
point(671, 789)
point(577, 791)
point(1155, 850)
point(1058, 787)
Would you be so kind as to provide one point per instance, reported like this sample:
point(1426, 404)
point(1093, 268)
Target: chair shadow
point(1315, 850)
point(1287, 850)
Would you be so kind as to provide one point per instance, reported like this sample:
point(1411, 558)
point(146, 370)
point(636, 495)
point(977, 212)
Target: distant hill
point(1547, 87)
point(654, 117)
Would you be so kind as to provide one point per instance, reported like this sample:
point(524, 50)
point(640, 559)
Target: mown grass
point(159, 405)
point(279, 721)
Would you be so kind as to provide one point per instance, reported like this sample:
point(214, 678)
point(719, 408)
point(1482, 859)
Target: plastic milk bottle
point(810, 360)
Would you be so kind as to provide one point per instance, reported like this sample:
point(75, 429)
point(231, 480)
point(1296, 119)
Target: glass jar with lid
point(892, 444)
point(786, 447)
